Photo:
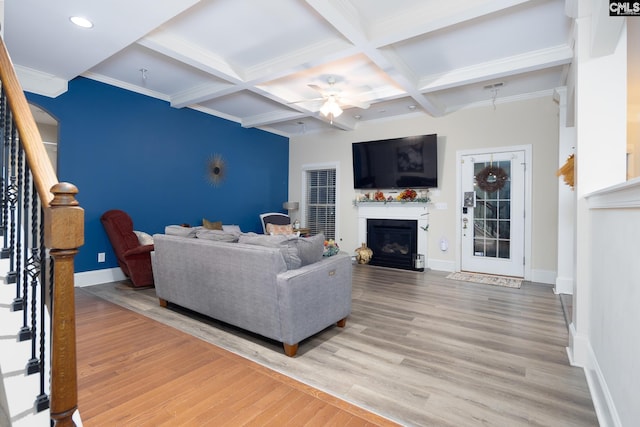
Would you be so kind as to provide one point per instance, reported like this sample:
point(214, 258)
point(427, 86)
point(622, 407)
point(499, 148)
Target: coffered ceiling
point(273, 64)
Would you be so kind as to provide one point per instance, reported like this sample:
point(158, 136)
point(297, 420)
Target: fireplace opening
point(393, 241)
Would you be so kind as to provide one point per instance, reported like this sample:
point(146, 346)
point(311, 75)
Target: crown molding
point(41, 83)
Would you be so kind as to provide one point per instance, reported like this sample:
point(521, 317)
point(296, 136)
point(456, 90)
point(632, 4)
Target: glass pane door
point(493, 213)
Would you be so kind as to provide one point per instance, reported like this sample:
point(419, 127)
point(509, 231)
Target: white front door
point(493, 213)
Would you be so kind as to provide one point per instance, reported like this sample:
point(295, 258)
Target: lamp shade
point(291, 206)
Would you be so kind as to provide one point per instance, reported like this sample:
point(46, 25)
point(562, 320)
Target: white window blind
point(321, 202)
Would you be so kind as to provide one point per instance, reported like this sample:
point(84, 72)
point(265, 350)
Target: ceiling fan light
point(331, 107)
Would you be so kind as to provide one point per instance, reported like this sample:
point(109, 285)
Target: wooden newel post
point(63, 235)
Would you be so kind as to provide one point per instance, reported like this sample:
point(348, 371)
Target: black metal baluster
point(42, 400)
point(3, 137)
point(12, 198)
point(31, 269)
point(25, 331)
point(6, 146)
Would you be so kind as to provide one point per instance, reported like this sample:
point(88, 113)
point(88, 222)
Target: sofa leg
point(290, 349)
point(342, 322)
point(163, 302)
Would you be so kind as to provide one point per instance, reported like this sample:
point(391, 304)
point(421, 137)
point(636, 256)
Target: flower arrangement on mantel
point(408, 195)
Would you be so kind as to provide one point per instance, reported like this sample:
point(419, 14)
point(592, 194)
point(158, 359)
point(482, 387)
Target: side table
point(304, 232)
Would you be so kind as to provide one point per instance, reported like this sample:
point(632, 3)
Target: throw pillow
point(310, 249)
point(211, 225)
point(178, 230)
point(289, 251)
point(275, 229)
point(233, 228)
point(144, 238)
point(217, 235)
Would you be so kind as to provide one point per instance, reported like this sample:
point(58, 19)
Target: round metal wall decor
point(491, 178)
point(216, 169)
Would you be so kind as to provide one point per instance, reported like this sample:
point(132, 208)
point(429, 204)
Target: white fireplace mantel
point(396, 210)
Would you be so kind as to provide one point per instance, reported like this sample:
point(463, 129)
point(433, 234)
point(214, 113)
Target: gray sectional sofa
point(279, 287)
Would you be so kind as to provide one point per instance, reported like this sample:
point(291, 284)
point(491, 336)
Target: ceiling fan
point(333, 100)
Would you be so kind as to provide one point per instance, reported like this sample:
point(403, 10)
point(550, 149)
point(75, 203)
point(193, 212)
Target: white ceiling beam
point(530, 61)
point(502, 100)
point(271, 118)
point(303, 59)
point(202, 93)
point(408, 81)
point(344, 18)
point(187, 53)
point(124, 85)
point(433, 16)
point(41, 83)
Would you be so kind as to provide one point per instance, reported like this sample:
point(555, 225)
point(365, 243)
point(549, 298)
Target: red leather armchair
point(133, 258)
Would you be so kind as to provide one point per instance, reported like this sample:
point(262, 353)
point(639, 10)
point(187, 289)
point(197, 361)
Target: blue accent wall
point(127, 151)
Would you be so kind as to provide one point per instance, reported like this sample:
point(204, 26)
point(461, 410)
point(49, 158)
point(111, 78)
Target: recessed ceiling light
point(81, 22)
point(411, 107)
point(357, 117)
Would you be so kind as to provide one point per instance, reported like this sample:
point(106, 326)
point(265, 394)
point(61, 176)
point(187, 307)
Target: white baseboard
point(564, 285)
point(543, 276)
point(581, 354)
point(441, 265)
point(540, 276)
point(95, 277)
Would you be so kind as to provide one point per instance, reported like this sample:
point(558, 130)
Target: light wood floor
point(418, 349)
point(134, 371)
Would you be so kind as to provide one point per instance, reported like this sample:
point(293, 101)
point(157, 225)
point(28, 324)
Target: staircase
point(18, 391)
point(41, 228)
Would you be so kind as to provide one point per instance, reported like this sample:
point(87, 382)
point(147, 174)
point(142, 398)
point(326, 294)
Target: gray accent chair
point(276, 218)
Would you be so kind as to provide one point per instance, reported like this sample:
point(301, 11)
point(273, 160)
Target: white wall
point(613, 366)
point(603, 333)
point(633, 97)
point(533, 121)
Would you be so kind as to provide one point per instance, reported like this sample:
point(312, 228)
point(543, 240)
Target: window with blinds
point(321, 202)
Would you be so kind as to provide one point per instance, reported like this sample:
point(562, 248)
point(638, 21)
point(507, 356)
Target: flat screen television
point(410, 162)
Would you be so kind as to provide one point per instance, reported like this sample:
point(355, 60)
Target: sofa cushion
point(288, 250)
point(218, 235)
point(211, 225)
point(178, 230)
point(310, 249)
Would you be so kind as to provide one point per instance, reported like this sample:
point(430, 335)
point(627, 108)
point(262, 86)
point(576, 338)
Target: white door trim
point(527, 200)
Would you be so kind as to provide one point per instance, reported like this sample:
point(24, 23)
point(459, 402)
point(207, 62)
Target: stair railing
point(42, 227)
